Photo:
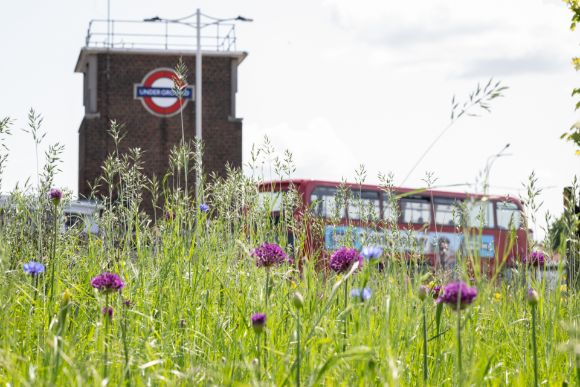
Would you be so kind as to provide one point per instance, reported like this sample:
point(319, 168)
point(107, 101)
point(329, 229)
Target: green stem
point(534, 346)
point(345, 322)
point(106, 352)
point(53, 255)
point(267, 289)
point(298, 349)
point(425, 370)
point(127, 373)
point(459, 366)
point(265, 353)
point(258, 357)
point(59, 332)
point(34, 279)
point(266, 311)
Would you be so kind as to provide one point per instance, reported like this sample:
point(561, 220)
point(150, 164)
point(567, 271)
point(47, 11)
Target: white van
point(82, 213)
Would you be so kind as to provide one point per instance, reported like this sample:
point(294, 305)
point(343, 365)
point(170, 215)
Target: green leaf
point(438, 314)
point(355, 352)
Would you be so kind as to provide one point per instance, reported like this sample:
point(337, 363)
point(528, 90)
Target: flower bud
point(66, 297)
point(55, 195)
point(258, 322)
point(298, 300)
point(108, 312)
point(422, 293)
point(532, 297)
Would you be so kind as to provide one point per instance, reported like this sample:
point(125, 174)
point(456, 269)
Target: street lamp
point(489, 163)
point(198, 25)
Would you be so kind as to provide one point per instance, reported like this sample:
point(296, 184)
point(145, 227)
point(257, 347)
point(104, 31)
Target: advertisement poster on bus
point(445, 245)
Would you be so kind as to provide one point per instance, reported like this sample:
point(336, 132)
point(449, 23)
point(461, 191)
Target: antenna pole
point(108, 23)
point(198, 97)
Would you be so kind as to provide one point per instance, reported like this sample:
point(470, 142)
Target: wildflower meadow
point(209, 289)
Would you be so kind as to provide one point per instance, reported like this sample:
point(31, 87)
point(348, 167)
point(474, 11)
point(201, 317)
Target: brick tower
point(132, 84)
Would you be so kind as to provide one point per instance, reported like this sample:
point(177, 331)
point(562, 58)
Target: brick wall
point(117, 73)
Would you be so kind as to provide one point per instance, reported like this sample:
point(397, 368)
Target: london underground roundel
point(157, 93)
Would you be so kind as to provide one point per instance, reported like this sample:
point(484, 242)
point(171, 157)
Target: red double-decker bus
point(434, 226)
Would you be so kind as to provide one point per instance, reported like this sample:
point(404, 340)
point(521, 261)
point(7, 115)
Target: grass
point(192, 291)
point(191, 286)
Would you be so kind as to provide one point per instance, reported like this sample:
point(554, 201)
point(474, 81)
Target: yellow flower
point(563, 288)
point(497, 296)
point(66, 297)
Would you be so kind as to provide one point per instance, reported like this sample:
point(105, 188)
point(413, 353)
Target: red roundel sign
point(157, 93)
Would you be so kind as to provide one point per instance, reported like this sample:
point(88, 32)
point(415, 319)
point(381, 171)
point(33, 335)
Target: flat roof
point(88, 51)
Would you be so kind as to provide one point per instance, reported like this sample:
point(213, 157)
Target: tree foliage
point(573, 134)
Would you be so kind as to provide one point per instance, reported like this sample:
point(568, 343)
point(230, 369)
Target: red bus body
point(424, 216)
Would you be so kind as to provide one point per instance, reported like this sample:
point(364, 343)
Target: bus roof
point(406, 191)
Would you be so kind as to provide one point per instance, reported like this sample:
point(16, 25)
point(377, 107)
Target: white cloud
point(317, 150)
point(494, 34)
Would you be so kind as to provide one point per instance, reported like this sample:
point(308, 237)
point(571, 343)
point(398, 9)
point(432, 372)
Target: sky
point(339, 84)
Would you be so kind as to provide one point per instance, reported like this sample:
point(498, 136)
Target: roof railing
point(161, 34)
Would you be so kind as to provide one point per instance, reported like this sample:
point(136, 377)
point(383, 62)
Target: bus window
point(324, 203)
point(479, 214)
point(508, 216)
point(364, 204)
point(271, 200)
point(415, 211)
point(389, 209)
point(447, 212)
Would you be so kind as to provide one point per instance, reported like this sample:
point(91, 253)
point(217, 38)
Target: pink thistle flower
point(343, 259)
point(269, 254)
point(107, 283)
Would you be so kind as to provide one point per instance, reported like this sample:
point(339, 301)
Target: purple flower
point(107, 282)
point(55, 194)
point(107, 311)
point(435, 291)
point(363, 296)
point(458, 295)
point(342, 259)
point(203, 207)
point(127, 303)
point(371, 252)
point(33, 268)
point(269, 254)
point(258, 322)
point(536, 258)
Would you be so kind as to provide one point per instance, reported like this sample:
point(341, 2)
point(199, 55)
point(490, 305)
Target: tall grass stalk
point(58, 339)
point(459, 359)
point(125, 340)
point(52, 258)
point(107, 317)
point(345, 317)
point(425, 364)
point(298, 358)
point(266, 310)
point(534, 344)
